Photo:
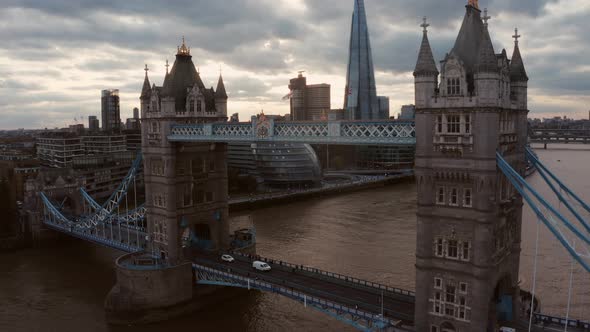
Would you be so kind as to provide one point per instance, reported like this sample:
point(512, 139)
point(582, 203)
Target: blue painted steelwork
point(546, 204)
point(545, 173)
point(93, 204)
point(54, 219)
point(522, 186)
point(109, 207)
point(386, 132)
point(359, 319)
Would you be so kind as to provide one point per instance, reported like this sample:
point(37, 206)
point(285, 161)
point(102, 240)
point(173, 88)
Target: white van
point(507, 329)
point(261, 266)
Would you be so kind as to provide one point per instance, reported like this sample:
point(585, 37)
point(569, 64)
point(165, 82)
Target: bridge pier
point(148, 291)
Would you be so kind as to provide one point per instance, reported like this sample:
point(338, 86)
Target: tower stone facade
point(186, 184)
point(469, 219)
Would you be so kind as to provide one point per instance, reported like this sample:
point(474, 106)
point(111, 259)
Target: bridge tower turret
point(469, 218)
point(186, 183)
point(518, 76)
point(425, 73)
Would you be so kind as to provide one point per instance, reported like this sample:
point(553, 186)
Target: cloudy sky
point(56, 55)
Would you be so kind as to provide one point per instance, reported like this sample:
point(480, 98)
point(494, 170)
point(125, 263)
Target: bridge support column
point(147, 292)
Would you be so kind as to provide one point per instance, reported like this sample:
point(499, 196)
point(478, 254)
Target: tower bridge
point(470, 134)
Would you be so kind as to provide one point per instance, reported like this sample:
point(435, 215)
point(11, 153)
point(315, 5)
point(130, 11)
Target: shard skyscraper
point(360, 100)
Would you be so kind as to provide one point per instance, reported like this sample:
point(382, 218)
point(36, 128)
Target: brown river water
point(369, 234)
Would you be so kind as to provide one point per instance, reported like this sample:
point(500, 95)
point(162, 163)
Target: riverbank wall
point(261, 201)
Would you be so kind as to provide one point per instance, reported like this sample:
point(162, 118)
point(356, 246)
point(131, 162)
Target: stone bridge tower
point(469, 217)
point(186, 184)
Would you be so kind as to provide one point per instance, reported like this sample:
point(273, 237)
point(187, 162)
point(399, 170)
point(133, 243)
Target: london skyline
point(56, 58)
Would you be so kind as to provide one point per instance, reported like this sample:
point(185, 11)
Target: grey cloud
point(118, 37)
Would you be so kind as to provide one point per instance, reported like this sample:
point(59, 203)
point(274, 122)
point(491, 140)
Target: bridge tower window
point(192, 106)
point(467, 124)
point(439, 252)
point(463, 287)
point(440, 198)
point(453, 86)
point(434, 328)
point(465, 248)
point(454, 197)
point(452, 249)
point(437, 283)
point(199, 107)
point(450, 298)
point(467, 200)
point(453, 124)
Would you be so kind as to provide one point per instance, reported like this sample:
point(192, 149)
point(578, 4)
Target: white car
point(261, 266)
point(507, 329)
point(227, 258)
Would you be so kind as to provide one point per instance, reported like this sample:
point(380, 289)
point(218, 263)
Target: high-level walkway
point(382, 132)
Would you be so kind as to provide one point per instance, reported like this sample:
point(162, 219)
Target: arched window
point(199, 107)
point(191, 106)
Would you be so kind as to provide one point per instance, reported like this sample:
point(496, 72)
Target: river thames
point(369, 234)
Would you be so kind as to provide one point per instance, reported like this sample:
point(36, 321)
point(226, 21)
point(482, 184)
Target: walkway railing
point(349, 315)
point(384, 132)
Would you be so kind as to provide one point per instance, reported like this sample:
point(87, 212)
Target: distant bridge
point(560, 136)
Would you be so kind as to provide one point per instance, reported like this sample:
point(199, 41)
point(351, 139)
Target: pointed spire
point(360, 102)
point(147, 89)
point(425, 66)
point(220, 92)
point(486, 59)
point(517, 70)
point(469, 38)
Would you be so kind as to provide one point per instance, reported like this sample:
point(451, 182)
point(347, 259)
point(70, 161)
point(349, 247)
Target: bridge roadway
point(353, 294)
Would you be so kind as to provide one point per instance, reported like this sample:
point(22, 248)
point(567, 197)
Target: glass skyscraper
point(360, 101)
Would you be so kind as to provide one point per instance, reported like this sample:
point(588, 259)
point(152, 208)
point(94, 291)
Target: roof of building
point(183, 76)
point(147, 88)
point(517, 70)
point(469, 39)
point(425, 65)
point(220, 93)
point(487, 60)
